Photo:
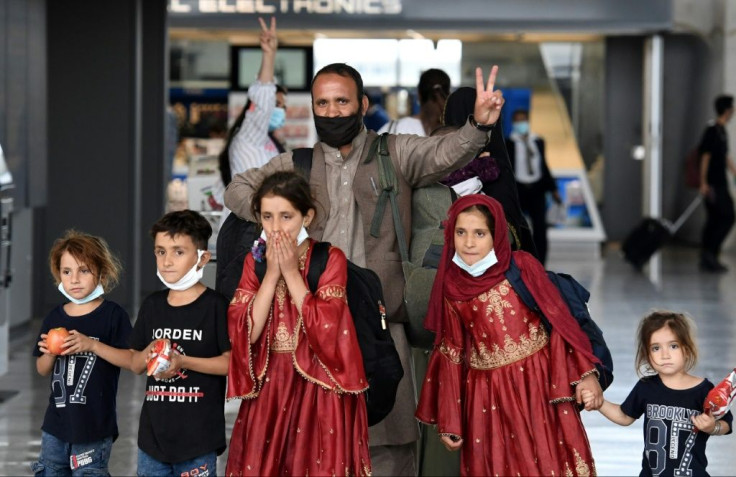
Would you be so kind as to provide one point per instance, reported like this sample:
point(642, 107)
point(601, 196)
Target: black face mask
point(340, 130)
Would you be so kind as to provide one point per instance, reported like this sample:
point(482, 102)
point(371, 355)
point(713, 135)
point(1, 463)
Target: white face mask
point(478, 268)
point(191, 278)
point(303, 235)
point(95, 294)
point(468, 186)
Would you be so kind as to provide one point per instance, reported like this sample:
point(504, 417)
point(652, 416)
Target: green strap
point(385, 182)
point(389, 189)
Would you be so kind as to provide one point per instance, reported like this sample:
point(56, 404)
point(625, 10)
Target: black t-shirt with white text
point(672, 444)
point(84, 386)
point(183, 417)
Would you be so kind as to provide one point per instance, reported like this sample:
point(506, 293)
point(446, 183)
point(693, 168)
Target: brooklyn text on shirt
point(177, 334)
point(673, 413)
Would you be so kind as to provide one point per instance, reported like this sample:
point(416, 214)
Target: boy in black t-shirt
point(182, 423)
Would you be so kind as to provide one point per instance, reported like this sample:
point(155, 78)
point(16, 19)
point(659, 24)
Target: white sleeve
point(246, 148)
point(247, 157)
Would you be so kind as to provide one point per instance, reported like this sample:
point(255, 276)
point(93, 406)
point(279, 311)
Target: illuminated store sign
point(319, 7)
point(504, 16)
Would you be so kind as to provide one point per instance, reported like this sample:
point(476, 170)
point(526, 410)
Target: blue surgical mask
point(303, 235)
point(191, 278)
point(521, 127)
point(95, 294)
point(278, 118)
point(478, 268)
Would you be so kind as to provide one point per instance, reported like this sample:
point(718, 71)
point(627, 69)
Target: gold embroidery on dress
point(581, 468)
point(261, 378)
point(335, 386)
point(482, 358)
point(281, 293)
point(331, 291)
point(241, 296)
point(283, 341)
point(496, 302)
point(452, 353)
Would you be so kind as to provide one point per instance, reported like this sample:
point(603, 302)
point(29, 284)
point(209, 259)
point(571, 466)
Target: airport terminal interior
point(620, 91)
point(620, 296)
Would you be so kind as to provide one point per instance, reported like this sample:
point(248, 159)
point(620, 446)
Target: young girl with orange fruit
point(84, 363)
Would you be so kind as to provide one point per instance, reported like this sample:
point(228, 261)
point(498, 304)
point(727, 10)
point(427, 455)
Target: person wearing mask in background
point(533, 178)
point(250, 141)
point(714, 159)
point(344, 183)
point(432, 90)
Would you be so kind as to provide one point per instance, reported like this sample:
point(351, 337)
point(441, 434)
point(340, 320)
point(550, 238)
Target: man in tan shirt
point(345, 181)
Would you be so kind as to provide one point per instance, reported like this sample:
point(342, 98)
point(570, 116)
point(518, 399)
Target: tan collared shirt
point(343, 228)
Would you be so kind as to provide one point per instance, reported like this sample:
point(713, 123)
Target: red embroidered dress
point(524, 417)
point(496, 378)
point(302, 381)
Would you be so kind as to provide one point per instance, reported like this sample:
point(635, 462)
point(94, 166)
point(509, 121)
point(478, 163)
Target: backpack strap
point(317, 265)
point(389, 189)
point(513, 275)
point(260, 270)
point(302, 159)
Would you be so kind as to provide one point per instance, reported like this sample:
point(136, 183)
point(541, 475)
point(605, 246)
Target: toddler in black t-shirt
point(84, 363)
point(675, 427)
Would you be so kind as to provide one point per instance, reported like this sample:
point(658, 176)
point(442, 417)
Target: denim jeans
point(202, 466)
point(63, 459)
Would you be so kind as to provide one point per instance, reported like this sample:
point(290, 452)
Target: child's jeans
point(202, 466)
point(63, 459)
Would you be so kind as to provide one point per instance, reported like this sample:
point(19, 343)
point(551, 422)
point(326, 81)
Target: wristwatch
point(482, 127)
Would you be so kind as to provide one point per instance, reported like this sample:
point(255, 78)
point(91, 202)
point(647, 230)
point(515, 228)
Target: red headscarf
point(456, 284)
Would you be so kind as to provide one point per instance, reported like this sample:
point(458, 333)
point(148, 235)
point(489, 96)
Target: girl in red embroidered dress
point(499, 386)
point(295, 358)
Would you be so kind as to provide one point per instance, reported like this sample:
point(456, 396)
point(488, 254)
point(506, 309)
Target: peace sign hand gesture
point(269, 41)
point(488, 103)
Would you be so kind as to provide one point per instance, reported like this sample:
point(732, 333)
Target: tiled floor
point(620, 297)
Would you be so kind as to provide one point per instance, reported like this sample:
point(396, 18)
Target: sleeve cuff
point(482, 127)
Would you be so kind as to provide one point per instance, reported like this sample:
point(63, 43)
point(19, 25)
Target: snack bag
point(720, 398)
point(160, 361)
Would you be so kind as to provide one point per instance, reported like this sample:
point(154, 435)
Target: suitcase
point(651, 234)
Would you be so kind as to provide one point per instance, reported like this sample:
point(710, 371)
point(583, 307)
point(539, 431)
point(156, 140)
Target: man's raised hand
point(488, 103)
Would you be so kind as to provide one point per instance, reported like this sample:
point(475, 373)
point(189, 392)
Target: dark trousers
point(533, 201)
point(719, 220)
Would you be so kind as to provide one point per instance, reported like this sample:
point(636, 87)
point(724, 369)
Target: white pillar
point(652, 184)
